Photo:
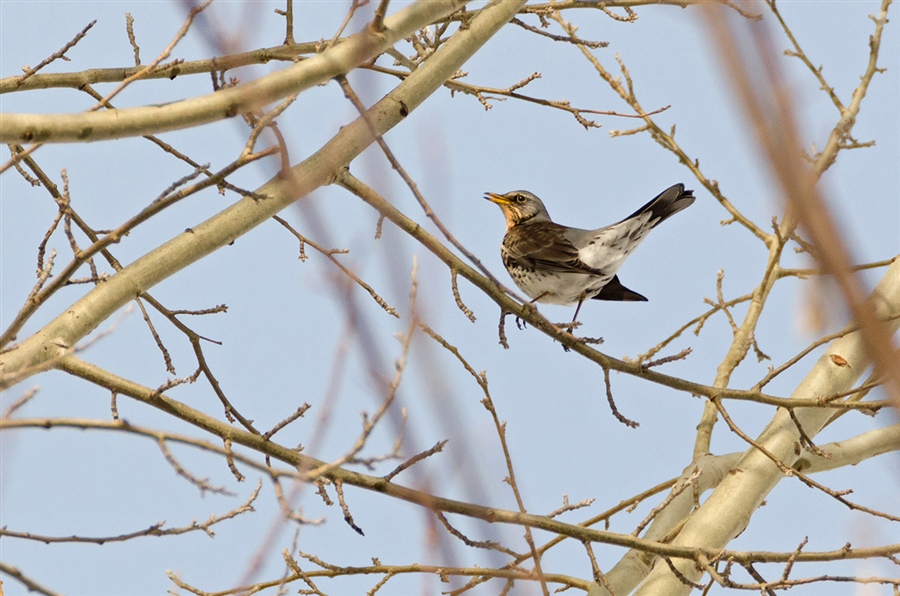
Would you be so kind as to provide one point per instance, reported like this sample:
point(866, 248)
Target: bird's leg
point(530, 304)
point(578, 308)
point(571, 326)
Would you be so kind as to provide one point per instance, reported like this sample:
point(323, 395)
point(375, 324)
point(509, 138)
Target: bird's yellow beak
point(498, 199)
point(505, 205)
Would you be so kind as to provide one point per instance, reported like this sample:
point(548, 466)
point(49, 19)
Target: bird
point(556, 264)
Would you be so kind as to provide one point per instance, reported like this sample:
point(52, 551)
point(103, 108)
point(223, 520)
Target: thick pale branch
point(728, 510)
point(340, 59)
point(852, 451)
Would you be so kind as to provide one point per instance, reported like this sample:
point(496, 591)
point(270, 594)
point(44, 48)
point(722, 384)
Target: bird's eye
point(520, 198)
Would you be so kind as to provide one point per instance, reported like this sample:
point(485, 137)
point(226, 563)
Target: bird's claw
point(568, 327)
point(520, 323)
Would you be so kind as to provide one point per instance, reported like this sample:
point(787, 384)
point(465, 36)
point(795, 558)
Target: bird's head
point(519, 206)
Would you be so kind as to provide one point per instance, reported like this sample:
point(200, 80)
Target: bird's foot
point(520, 323)
point(584, 340)
point(568, 327)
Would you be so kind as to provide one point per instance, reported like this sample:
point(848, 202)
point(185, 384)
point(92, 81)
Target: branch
point(189, 113)
point(53, 340)
point(61, 53)
point(726, 512)
point(761, 87)
point(154, 530)
point(77, 80)
point(26, 581)
point(148, 396)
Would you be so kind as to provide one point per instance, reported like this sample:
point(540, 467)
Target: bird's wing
point(607, 248)
point(545, 244)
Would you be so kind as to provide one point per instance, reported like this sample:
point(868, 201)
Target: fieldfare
point(561, 265)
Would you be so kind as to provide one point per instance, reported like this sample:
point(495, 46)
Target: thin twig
point(339, 488)
point(158, 60)
point(59, 54)
point(129, 30)
point(438, 447)
point(485, 544)
point(329, 254)
point(612, 403)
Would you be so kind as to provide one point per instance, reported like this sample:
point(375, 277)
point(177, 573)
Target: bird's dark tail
point(614, 290)
point(666, 204)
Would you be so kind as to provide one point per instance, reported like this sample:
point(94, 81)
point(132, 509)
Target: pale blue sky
point(285, 320)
